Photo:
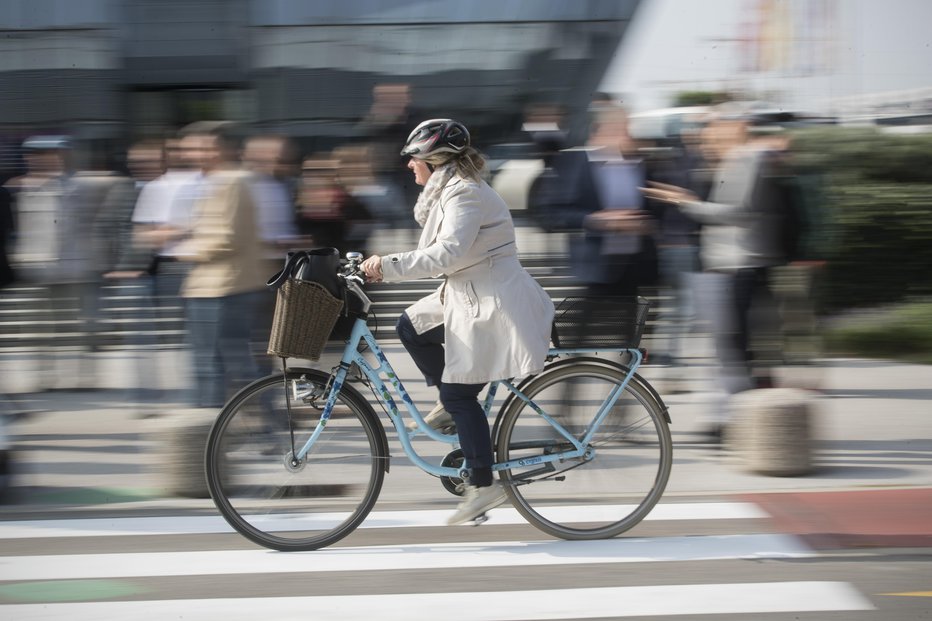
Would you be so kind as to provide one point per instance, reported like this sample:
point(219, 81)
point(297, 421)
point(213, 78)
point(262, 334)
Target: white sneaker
point(438, 418)
point(476, 501)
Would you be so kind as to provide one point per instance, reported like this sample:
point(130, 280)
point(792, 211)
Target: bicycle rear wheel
point(586, 498)
point(295, 507)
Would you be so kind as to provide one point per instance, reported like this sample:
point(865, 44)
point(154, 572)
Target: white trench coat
point(496, 318)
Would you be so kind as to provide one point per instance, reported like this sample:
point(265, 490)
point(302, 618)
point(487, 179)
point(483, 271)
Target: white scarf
point(430, 195)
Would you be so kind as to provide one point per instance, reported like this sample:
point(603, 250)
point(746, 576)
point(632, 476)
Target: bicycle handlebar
point(350, 274)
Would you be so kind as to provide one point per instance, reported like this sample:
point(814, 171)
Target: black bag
point(319, 265)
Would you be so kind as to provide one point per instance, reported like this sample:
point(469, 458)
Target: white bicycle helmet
point(435, 137)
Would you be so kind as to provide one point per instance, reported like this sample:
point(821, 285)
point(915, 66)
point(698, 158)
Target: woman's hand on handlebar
point(372, 268)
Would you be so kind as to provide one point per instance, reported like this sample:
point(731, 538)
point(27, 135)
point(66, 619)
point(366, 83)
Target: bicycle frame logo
point(530, 461)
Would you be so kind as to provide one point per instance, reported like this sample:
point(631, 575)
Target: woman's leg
point(460, 400)
point(426, 349)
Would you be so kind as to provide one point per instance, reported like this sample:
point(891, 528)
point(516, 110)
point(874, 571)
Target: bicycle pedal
point(481, 519)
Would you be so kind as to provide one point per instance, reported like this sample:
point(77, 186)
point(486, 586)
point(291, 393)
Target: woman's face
point(421, 170)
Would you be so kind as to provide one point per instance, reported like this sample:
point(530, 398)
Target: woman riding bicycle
point(489, 320)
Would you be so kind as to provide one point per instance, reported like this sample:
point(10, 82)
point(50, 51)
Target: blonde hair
point(469, 164)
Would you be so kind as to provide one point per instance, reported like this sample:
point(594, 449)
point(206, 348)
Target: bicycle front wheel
point(606, 492)
point(295, 506)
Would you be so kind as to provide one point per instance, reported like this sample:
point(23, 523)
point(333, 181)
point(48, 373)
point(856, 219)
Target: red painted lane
point(853, 519)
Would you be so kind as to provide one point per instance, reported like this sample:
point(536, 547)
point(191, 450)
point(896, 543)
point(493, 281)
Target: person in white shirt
point(163, 218)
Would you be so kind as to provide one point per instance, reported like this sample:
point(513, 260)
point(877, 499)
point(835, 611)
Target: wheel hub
point(291, 464)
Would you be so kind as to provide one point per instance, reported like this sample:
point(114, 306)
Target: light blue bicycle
point(296, 460)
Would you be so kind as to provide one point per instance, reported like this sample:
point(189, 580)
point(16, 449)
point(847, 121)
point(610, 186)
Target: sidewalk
point(91, 452)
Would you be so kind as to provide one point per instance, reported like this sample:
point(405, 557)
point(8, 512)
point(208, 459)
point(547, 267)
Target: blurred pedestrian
point(329, 214)
point(227, 280)
point(275, 209)
point(277, 224)
point(163, 219)
point(385, 125)
point(675, 162)
point(121, 256)
point(564, 192)
point(619, 252)
point(382, 200)
point(93, 183)
point(128, 263)
point(740, 244)
point(6, 237)
point(54, 253)
point(6, 408)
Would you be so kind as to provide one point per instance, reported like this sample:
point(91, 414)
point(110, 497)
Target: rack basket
point(590, 322)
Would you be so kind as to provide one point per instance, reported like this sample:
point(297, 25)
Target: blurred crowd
point(713, 217)
point(202, 218)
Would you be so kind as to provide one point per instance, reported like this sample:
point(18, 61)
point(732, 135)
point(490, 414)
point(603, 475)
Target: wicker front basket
point(305, 314)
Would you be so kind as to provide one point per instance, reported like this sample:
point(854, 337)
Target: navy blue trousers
point(460, 400)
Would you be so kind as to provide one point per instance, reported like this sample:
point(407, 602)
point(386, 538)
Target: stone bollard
point(183, 439)
point(771, 431)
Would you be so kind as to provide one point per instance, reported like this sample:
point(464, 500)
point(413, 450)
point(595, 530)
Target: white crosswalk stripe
point(496, 606)
point(598, 587)
point(418, 556)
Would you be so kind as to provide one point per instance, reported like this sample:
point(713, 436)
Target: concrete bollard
point(183, 439)
point(770, 431)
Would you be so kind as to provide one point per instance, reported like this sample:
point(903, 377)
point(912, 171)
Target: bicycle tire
point(282, 507)
point(633, 453)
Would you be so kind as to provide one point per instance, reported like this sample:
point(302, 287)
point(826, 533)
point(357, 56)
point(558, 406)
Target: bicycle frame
point(352, 355)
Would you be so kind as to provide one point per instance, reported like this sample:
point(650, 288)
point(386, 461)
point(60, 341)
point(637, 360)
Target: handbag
point(308, 303)
point(318, 265)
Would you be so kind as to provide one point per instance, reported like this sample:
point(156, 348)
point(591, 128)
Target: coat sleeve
point(737, 213)
point(450, 250)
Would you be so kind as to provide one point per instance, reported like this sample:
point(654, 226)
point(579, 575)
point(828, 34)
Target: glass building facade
point(112, 70)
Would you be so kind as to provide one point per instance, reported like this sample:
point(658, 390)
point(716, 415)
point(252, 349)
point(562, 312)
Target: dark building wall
point(302, 67)
point(185, 42)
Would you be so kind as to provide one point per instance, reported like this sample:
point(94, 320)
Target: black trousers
point(749, 286)
point(460, 400)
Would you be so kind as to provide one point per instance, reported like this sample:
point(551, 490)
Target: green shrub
point(904, 333)
point(876, 201)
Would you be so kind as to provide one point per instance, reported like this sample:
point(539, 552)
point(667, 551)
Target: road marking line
point(396, 557)
point(911, 594)
point(686, 599)
point(107, 527)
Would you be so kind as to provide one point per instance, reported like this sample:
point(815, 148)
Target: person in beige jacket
point(228, 274)
point(489, 320)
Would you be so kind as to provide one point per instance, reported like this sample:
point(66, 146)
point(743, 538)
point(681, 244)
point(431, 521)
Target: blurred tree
point(700, 98)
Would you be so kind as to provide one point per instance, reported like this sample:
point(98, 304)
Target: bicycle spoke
point(630, 455)
point(288, 506)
